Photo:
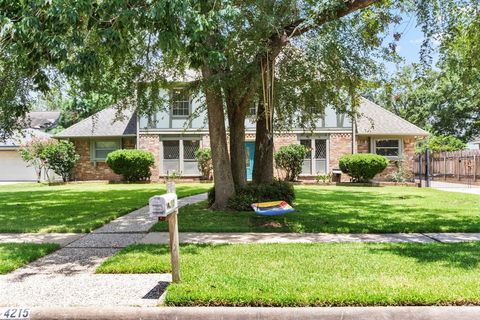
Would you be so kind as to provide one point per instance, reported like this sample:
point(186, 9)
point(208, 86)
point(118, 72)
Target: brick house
point(174, 135)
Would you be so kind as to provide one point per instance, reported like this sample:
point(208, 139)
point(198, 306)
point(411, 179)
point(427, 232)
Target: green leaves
point(61, 158)
point(290, 159)
point(133, 165)
point(441, 143)
point(363, 167)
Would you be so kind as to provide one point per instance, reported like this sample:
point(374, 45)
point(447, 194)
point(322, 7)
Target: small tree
point(133, 165)
point(31, 153)
point(290, 159)
point(440, 144)
point(204, 159)
point(362, 167)
point(61, 158)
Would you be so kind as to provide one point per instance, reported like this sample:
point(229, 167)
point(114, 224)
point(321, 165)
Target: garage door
point(13, 168)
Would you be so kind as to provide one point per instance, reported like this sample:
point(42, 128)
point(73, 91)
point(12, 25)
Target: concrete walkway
point(66, 278)
point(239, 238)
point(62, 239)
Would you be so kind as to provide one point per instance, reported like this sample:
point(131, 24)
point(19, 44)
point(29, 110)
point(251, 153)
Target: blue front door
point(249, 152)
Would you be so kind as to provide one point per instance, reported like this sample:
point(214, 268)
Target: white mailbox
point(162, 206)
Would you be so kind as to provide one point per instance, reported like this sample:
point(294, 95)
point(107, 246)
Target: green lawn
point(77, 207)
point(15, 255)
point(313, 274)
point(348, 210)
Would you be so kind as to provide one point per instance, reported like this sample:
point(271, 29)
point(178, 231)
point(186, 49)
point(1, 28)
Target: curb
point(255, 313)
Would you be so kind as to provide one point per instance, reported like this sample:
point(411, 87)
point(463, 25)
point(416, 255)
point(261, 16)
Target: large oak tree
point(237, 46)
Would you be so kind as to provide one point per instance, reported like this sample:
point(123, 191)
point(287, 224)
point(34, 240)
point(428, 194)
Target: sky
point(408, 47)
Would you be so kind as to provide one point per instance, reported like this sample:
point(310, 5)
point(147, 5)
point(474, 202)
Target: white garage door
point(13, 168)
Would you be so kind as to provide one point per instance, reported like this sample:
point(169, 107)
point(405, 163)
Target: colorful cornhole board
point(272, 208)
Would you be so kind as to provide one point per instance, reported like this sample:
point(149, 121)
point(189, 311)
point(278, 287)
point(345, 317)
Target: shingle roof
point(42, 119)
point(105, 123)
point(22, 137)
point(375, 120)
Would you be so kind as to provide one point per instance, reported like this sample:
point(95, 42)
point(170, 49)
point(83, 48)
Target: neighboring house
point(474, 144)
point(174, 135)
point(12, 166)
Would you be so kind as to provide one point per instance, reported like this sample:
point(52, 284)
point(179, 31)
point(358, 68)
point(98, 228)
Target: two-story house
point(173, 135)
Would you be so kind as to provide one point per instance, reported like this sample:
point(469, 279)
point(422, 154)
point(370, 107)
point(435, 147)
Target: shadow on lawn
point(75, 207)
point(66, 210)
point(337, 211)
point(465, 255)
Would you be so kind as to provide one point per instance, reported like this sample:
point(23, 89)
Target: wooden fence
point(458, 166)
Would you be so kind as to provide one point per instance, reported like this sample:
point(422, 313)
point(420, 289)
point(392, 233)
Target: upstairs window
point(252, 111)
point(180, 100)
point(387, 147)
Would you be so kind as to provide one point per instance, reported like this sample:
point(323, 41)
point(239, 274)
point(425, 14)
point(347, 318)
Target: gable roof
point(372, 119)
point(105, 123)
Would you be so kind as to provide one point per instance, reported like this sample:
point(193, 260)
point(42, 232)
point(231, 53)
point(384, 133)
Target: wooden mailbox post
point(166, 207)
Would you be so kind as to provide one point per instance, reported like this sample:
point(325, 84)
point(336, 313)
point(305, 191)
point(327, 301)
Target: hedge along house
point(173, 135)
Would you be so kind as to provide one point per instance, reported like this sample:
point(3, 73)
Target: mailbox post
point(166, 207)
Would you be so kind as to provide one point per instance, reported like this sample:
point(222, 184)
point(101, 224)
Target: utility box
point(336, 175)
point(162, 206)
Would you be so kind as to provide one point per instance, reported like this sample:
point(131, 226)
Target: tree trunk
point(263, 158)
point(238, 104)
point(237, 148)
point(222, 173)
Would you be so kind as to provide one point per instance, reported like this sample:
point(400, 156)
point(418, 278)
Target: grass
point(352, 274)
point(15, 255)
point(348, 210)
point(75, 207)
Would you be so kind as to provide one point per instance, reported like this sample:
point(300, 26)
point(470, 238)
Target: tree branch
point(296, 28)
point(279, 39)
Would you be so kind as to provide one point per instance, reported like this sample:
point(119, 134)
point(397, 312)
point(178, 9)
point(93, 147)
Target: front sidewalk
point(239, 238)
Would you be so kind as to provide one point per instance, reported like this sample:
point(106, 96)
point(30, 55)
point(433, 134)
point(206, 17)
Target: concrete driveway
point(454, 187)
point(4, 183)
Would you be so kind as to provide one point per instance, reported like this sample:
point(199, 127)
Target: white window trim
point(400, 147)
point(313, 163)
point(93, 148)
point(172, 116)
point(181, 159)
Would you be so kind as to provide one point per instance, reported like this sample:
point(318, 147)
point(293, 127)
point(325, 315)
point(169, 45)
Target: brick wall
point(85, 169)
point(280, 140)
point(363, 145)
point(408, 155)
point(340, 144)
point(151, 142)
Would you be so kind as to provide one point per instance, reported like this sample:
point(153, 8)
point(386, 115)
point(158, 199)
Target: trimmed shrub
point(290, 159)
point(243, 198)
point(204, 159)
point(362, 167)
point(60, 157)
point(133, 165)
